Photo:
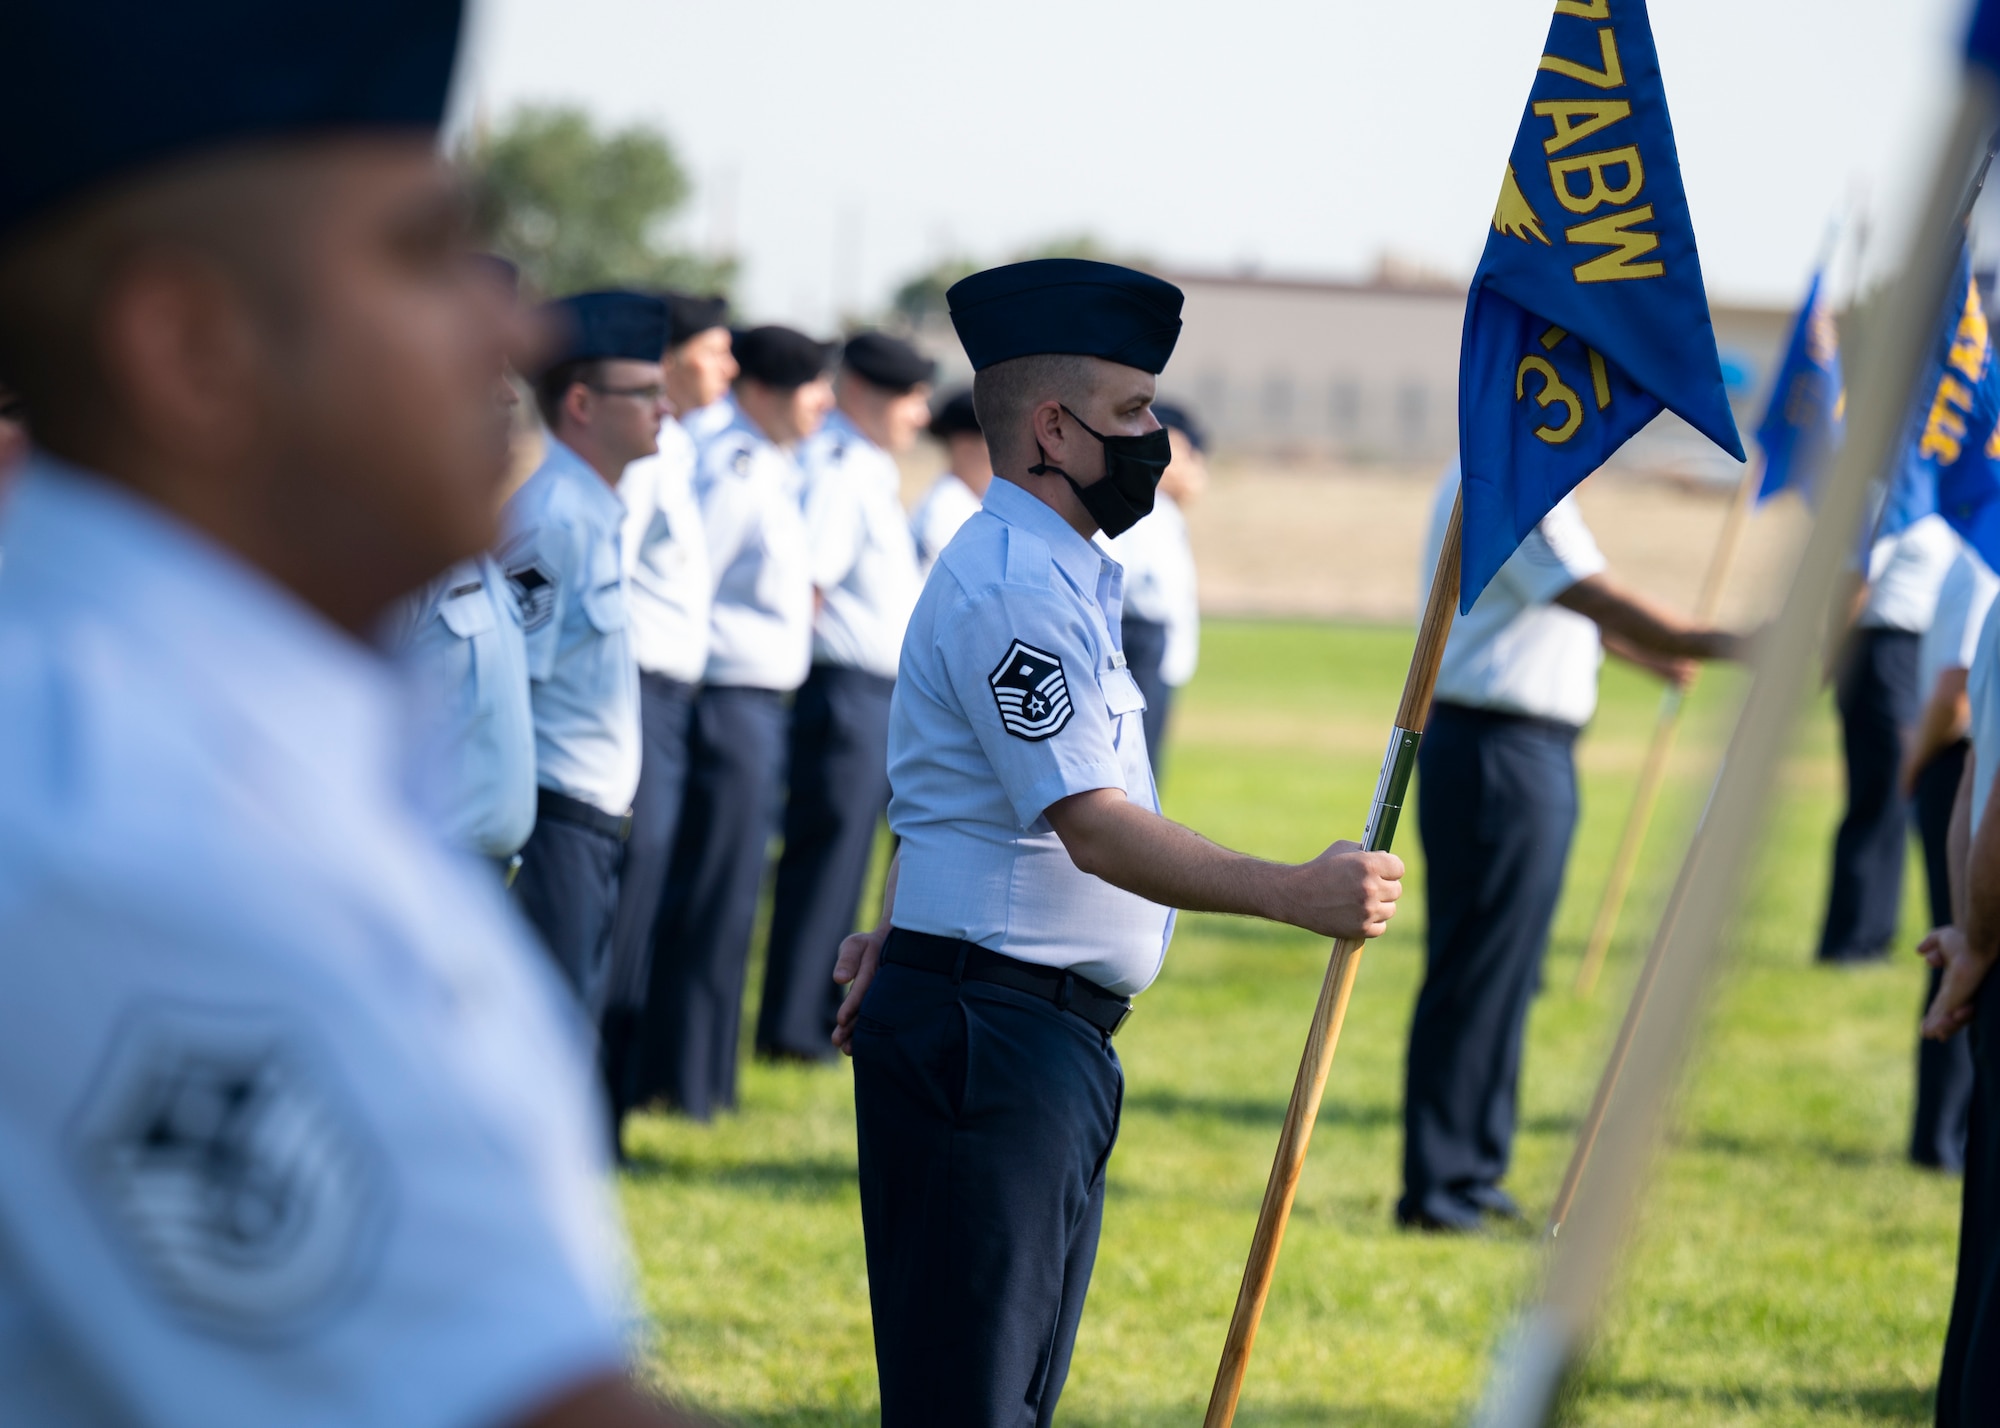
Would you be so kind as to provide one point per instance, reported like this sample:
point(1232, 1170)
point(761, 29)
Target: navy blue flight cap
point(689, 316)
point(888, 362)
point(1182, 420)
point(614, 324)
point(98, 90)
point(1066, 305)
point(955, 415)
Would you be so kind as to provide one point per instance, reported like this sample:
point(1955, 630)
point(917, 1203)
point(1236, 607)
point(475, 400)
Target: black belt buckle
point(1124, 1015)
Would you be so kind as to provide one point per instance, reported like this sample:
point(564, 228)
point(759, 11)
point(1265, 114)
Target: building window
point(1211, 395)
point(1413, 415)
point(1278, 404)
point(1343, 409)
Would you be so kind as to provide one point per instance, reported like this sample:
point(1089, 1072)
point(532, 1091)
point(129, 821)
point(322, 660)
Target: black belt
point(564, 809)
point(964, 961)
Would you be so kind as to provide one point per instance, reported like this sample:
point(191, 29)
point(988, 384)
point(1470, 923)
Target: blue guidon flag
point(1952, 464)
point(1587, 316)
point(1802, 424)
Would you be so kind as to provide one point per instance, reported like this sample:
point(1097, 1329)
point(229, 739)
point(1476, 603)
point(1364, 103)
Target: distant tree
point(1084, 245)
point(578, 209)
point(921, 297)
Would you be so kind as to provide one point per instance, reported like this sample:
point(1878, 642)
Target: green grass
point(1791, 1267)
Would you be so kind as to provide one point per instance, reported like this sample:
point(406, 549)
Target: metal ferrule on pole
point(1398, 763)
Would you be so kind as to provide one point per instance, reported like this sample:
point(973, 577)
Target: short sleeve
point(1022, 663)
point(1558, 553)
point(545, 572)
point(1984, 588)
point(244, 1196)
point(834, 521)
point(728, 507)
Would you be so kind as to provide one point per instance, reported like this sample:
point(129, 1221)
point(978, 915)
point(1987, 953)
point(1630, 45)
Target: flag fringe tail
point(1342, 967)
point(1653, 772)
point(1528, 1377)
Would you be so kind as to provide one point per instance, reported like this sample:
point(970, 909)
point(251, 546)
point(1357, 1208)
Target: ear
point(1047, 423)
point(577, 403)
point(182, 352)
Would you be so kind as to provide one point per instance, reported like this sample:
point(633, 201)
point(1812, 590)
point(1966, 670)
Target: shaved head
point(1005, 395)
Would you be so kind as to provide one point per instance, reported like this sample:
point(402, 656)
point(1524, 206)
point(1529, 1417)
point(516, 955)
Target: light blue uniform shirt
point(760, 627)
point(864, 561)
point(1014, 694)
point(561, 556)
point(295, 1123)
point(459, 640)
point(666, 559)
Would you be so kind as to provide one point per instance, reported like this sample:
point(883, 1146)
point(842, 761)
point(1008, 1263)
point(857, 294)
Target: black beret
point(1066, 305)
point(631, 326)
point(781, 357)
point(886, 361)
point(101, 89)
point(955, 415)
point(689, 316)
point(1182, 420)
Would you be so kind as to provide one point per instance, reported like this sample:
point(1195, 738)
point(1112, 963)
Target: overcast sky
point(838, 145)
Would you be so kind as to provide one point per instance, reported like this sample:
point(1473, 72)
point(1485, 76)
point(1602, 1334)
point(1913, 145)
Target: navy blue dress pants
point(838, 774)
point(985, 1119)
point(1878, 700)
point(665, 706)
point(1496, 804)
point(1969, 1379)
point(1944, 1069)
point(568, 888)
point(1145, 645)
point(701, 951)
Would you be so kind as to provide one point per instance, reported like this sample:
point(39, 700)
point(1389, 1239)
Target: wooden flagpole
point(1529, 1375)
point(1653, 772)
point(1341, 969)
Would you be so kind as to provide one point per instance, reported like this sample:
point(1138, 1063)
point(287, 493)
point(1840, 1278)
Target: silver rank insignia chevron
point(1033, 697)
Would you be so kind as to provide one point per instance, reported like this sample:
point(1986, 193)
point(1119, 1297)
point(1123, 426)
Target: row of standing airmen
point(695, 617)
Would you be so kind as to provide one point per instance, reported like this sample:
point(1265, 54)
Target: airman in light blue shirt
point(562, 559)
point(602, 395)
point(460, 640)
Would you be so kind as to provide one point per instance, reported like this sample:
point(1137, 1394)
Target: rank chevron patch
point(1031, 692)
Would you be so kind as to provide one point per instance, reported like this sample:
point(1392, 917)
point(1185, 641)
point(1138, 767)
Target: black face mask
point(1133, 466)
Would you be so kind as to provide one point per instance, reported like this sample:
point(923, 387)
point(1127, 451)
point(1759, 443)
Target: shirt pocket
point(604, 607)
point(467, 611)
point(1121, 692)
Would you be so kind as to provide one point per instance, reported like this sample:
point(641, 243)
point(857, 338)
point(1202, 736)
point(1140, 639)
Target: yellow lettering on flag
point(1612, 76)
point(1611, 231)
point(1944, 429)
point(1970, 345)
point(1553, 391)
point(1588, 9)
point(1601, 192)
point(1595, 114)
point(1549, 341)
point(1600, 380)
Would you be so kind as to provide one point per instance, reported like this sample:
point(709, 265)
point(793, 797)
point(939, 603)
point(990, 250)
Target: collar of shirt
point(1096, 575)
point(314, 692)
point(599, 493)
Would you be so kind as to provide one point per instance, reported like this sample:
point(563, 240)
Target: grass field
point(1791, 1269)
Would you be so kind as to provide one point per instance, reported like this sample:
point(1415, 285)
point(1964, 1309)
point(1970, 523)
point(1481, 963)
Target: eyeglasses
point(655, 392)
